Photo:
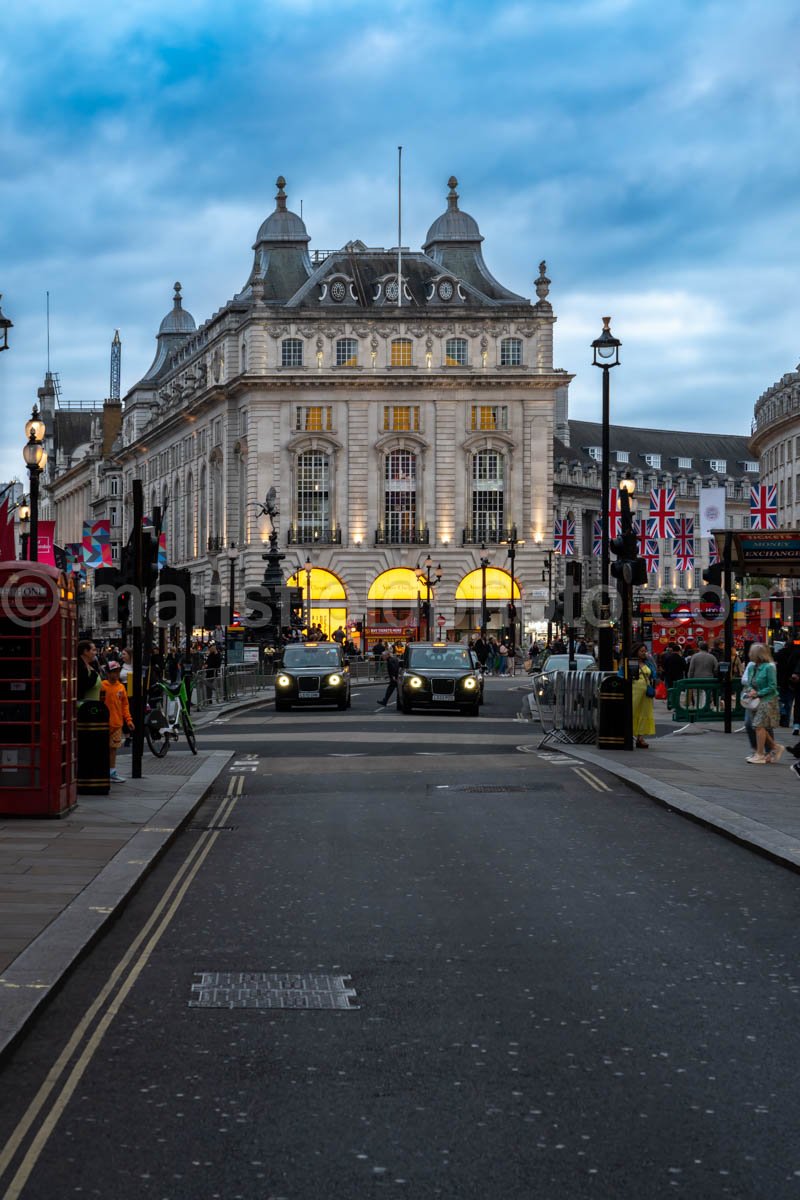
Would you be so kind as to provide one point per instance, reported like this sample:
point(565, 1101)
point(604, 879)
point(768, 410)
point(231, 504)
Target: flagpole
point(399, 226)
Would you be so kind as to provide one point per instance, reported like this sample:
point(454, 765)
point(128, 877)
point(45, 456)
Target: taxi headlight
point(414, 681)
point(334, 680)
point(283, 681)
point(470, 683)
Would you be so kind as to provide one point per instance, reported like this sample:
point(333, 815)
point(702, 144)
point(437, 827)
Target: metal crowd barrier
point(698, 699)
point(566, 706)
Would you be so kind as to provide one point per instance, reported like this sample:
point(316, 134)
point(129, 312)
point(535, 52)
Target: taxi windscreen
point(444, 658)
point(311, 656)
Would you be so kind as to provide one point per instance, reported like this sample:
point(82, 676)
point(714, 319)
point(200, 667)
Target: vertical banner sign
point(712, 510)
point(47, 531)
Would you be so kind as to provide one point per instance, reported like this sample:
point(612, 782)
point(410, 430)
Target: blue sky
point(647, 152)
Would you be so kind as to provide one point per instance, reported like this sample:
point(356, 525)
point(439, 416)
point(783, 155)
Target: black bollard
point(93, 756)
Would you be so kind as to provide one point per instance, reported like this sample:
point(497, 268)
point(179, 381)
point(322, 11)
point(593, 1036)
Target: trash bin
point(614, 700)
point(93, 756)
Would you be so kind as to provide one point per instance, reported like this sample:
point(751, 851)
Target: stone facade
point(775, 441)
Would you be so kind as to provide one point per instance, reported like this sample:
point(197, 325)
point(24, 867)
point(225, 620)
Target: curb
point(41, 967)
point(780, 847)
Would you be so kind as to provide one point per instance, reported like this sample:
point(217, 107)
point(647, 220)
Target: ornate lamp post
point(308, 569)
point(547, 576)
point(426, 576)
point(512, 541)
point(485, 562)
point(35, 457)
point(5, 325)
point(606, 356)
point(233, 555)
point(627, 487)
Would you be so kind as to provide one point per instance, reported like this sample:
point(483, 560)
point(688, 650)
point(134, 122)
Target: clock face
point(392, 291)
point(445, 290)
point(338, 291)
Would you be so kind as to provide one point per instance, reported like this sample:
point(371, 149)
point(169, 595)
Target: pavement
point(62, 880)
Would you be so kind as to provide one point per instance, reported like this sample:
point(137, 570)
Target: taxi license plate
point(443, 697)
point(309, 695)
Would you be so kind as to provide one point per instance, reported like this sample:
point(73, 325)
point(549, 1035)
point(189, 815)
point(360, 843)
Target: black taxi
point(312, 673)
point(439, 675)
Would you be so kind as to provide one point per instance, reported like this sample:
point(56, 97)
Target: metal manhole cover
point(258, 989)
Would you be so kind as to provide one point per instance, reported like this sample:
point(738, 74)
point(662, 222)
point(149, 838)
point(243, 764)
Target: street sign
point(441, 621)
point(536, 594)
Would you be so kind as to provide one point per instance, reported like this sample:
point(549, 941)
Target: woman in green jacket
point(764, 684)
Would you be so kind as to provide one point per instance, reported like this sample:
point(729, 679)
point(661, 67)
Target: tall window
point(401, 417)
point(175, 551)
point(511, 352)
point(291, 352)
point(313, 418)
point(401, 352)
point(488, 416)
point(202, 512)
point(313, 496)
point(188, 521)
point(347, 352)
point(456, 352)
point(400, 496)
point(488, 495)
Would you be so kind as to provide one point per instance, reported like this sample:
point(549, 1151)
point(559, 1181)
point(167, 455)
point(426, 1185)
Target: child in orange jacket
point(115, 699)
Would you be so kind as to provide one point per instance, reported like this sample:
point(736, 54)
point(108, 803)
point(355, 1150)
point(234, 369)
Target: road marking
point(178, 888)
point(591, 779)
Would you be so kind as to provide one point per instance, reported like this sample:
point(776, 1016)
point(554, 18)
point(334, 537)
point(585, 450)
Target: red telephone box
point(38, 678)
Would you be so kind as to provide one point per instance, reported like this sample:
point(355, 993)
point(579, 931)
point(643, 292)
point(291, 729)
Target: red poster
point(47, 533)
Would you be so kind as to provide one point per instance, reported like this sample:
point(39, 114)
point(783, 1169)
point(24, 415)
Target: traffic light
point(512, 613)
point(713, 575)
point(558, 609)
point(124, 609)
point(573, 599)
point(628, 568)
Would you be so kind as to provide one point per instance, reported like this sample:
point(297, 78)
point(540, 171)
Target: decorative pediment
point(299, 443)
point(401, 441)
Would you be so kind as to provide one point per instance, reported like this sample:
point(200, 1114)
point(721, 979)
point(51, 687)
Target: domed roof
point(177, 321)
point(453, 225)
point(282, 225)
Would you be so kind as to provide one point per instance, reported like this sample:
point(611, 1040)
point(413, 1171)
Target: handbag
point(751, 702)
point(650, 691)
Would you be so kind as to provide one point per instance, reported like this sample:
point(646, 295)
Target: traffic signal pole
point(727, 682)
point(140, 616)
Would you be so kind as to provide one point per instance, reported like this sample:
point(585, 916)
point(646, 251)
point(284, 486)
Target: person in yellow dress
point(644, 690)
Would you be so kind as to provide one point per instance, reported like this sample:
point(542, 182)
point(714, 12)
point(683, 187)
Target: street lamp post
point(5, 325)
point(484, 564)
point(23, 516)
point(426, 576)
point(606, 356)
point(512, 541)
point(547, 574)
point(627, 486)
point(233, 555)
point(308, 569)
point(35, 456)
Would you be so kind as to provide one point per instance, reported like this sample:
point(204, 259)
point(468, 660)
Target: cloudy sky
point(648, 152)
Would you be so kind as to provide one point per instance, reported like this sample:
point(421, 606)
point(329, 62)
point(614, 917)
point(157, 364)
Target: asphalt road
point(560, 989)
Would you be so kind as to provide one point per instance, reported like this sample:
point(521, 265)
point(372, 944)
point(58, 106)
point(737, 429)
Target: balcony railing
point(478, 534)
point(402, 537)
point(313, 535)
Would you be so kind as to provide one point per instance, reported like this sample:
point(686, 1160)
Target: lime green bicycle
point(168, 713)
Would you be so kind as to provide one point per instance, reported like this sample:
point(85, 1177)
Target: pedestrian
point(502, 657)
point(766, 715)
point(747, 675)
point(643, 690)
point(673, 665)
point(339, 636)
point(702, 665)
point(88, 683)
point(212, 669)
point(392, 660)
point(786, 666)
point(115, 699)
point(481, 649)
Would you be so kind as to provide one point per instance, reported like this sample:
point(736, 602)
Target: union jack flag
point(662, 511)
point(613, 512)
point(644, 532)
point(597, 538)
point(564, 536)
point(764, 506)
point(683, 543)
point(713, 552)
point(650, 556)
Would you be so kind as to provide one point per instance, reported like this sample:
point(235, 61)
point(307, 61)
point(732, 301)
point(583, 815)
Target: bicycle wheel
point(156, 733)
point(188, 729)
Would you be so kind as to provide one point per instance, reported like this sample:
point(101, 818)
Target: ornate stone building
point(402, 404)
point(775, 441)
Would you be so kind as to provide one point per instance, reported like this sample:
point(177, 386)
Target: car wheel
point(402, 706)
point(342, 704)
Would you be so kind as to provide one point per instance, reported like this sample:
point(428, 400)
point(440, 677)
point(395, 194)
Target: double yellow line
point(62, 1077)
point(593, 780)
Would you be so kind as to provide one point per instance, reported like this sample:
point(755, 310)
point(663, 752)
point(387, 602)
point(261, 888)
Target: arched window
point(456, 352)
point(401, 352)
point(243, 532)
point(217, 500)
point(175, 551)
point(488, 496)
point(400, 497)
point(347, 352)
point(188, 519)
point(291, 352)
point(312, 496)
point(511, 352)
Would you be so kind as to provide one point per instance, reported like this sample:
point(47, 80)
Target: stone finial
point(452, 195)
point(177, 299)
point(280, 184)
point(542, 283)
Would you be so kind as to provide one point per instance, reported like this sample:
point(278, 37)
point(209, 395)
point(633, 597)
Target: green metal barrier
point(703, 700)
